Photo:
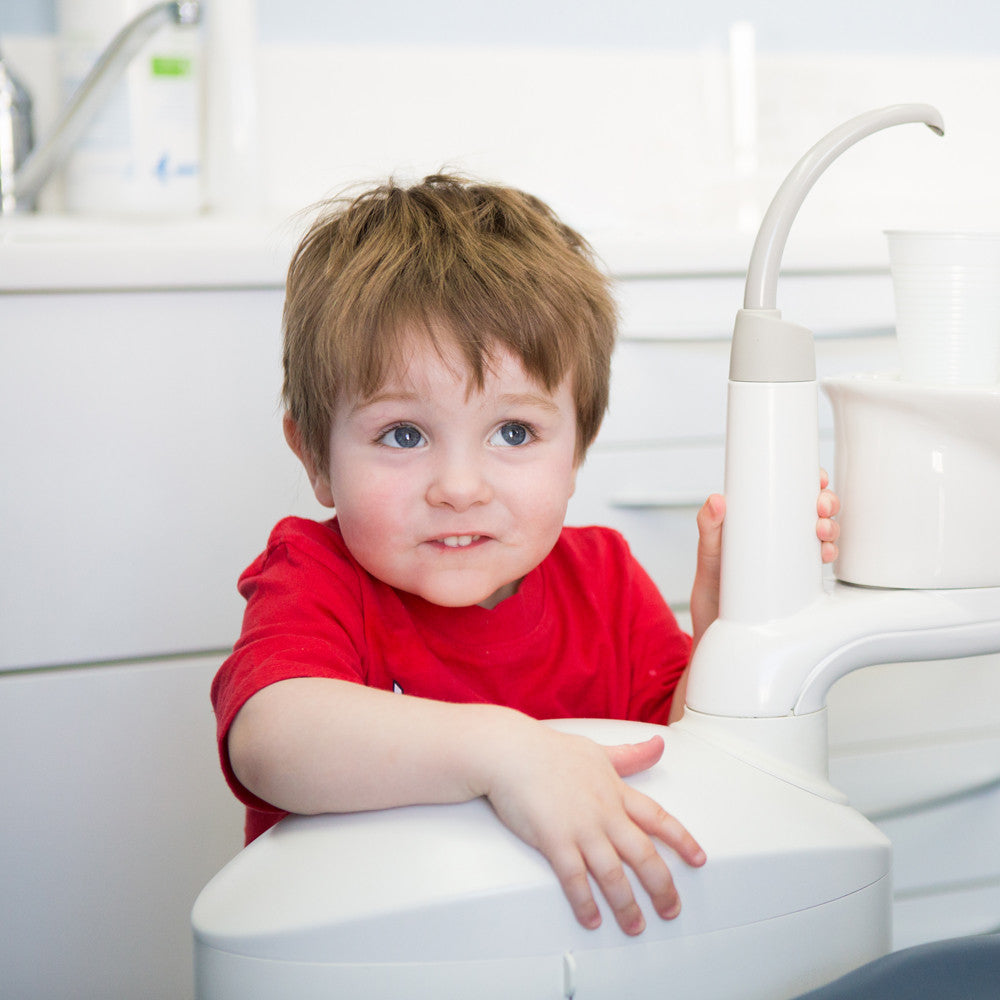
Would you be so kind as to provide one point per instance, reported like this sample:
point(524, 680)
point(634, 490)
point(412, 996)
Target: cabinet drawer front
point(704, 307)
point(143, 468)
point(664, 391)
point(675, 390)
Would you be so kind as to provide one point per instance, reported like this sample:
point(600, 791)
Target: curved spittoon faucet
point(762, 671)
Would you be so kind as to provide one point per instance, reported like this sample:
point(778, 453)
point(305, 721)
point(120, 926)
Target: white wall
point(639, 117)
point(971, 26)
point(660, 145)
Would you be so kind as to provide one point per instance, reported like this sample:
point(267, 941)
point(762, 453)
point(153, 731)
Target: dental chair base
point(443, 901)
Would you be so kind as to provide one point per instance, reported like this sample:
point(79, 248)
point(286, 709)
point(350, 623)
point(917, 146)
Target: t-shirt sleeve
point(660, 649)
point(303, 618)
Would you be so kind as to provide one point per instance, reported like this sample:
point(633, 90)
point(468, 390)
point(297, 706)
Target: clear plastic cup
point(947, 291)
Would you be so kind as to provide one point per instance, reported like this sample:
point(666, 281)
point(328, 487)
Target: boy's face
point(450, 494)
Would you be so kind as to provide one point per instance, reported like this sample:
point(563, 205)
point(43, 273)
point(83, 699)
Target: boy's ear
point(318, 478)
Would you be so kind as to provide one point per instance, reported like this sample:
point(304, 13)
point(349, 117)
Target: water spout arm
point(771, 560)
point(765, 260)
point(91, 95)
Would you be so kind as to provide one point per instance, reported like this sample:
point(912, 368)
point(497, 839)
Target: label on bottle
point(142, 153)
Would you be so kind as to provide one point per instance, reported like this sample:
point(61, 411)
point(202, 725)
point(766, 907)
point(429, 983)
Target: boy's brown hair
point(467, 263)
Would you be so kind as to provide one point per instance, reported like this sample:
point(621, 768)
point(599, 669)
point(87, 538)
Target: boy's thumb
point(710, 519)
point(631, 758)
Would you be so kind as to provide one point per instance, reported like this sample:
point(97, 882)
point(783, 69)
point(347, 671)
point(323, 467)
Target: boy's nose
point(458, 483)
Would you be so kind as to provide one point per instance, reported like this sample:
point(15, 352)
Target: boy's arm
point(705, 589)
point(704, 605)
point(312, 745)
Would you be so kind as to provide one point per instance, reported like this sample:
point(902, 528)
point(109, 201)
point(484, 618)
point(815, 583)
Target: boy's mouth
point(459, 541)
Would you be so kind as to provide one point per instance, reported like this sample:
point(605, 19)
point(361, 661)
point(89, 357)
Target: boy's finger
point(571, 871)
point(710, 518)
point(639, 852)
point(631, 758)
point(606, 866)
point(654, 820)
point(827, 530)
point(828, 504)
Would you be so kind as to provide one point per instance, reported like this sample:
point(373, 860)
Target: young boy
point(447, 360)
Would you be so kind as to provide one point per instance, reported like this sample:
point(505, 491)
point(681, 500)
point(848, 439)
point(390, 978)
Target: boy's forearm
point(313, 745)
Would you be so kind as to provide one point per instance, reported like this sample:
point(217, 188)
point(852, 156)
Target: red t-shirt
point(587, 635)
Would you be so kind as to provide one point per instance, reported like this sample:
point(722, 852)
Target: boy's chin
point(469, 597)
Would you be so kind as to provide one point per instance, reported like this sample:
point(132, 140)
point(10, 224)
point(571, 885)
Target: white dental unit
point(443, 901)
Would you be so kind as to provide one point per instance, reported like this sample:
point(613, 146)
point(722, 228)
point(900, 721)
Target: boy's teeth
point(458, 541)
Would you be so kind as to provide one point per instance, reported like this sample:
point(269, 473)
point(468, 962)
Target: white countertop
point(66, 253)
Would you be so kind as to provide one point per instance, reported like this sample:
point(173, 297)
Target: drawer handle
point(723, 334)
point(649, 501)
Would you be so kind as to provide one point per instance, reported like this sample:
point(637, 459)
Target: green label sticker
point(171, 66)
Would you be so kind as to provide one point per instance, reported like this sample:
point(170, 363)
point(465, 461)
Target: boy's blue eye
point(403, 436)
point(511, 434)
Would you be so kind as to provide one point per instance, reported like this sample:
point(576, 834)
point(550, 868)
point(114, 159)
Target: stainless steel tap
point(21, 182)
point(15, 127)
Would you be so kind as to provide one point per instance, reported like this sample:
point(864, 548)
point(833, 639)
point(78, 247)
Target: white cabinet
point(917, 748)
point(115, 816)
point(143, 466)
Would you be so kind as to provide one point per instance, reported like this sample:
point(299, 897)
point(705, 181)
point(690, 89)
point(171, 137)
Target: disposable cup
point(947, 292)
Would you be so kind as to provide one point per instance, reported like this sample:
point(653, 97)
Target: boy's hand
point(827, 507)
point(705, 591)
point(564, 795)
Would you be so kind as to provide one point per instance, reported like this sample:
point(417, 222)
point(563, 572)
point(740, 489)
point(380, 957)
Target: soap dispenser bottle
point(142, 154)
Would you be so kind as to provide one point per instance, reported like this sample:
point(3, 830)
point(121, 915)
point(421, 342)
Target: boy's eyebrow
point(529, 399)
point(398, 396)
point(507, 399)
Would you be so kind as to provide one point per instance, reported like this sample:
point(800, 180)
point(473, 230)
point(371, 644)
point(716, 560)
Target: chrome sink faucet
point(20, 183)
